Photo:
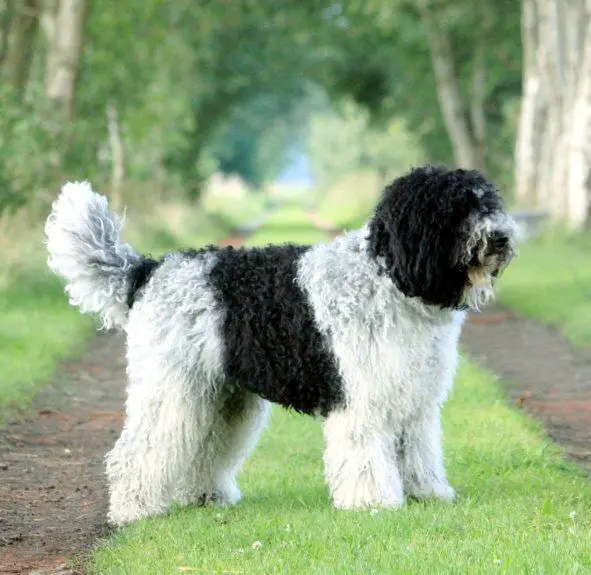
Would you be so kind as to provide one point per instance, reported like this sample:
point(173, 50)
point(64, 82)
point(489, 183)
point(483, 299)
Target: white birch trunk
point(534, 111)
point(451, 100)
point(21, 42)
point(579, 156)
point(117, 157)
point(65, 53)
point(554, 169)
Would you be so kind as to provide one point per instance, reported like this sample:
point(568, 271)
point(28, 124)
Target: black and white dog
point(362, 332)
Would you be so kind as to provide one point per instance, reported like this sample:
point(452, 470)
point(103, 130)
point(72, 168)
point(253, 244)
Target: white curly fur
point(83, 240)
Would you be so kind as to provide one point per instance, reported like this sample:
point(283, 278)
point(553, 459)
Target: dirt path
point(52, 489)
point(53, 496)
point(542, 372)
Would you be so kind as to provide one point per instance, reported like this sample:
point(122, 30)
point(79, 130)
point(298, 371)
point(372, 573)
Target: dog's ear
point(422, 258)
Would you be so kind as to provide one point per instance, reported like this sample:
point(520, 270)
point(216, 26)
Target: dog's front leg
point(360, 467)
point(421, 458)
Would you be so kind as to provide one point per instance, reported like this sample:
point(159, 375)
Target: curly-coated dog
point(361, 332)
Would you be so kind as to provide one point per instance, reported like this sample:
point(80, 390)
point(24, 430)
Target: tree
point(66, 26)
point(553, 152)
point(447, 67)
point(20, 32)
point(342, 140)
point(463, 115)
point(241, 50)
point(256, 140)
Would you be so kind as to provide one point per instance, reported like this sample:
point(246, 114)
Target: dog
point(362, 332)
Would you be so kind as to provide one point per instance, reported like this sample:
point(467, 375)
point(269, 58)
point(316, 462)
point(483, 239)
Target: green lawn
point(521, 507)
point(290, 223)
point(551, 281)
point(37, 329)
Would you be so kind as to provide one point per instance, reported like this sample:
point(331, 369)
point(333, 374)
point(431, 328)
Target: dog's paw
point(362, 496)
point(120, 516)
point(442, 491)
point(362, 505)
point(227, 493)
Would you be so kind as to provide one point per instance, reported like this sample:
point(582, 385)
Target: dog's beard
point(476, 297)
point(480, 290)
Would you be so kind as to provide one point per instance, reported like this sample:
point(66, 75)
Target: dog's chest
point(425, 362)
point(398, 365)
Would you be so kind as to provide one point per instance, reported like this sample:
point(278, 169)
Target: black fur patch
point(139, 277)
point(272, 346)
point(420, 228)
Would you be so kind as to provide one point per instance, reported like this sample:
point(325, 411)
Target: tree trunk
point(117, 157)
point(19, 53)
point(580, 145)
point(5, 22)
point(534, 110)
point(477, 100)
point(65, 52)
point(552, 151)
point(451, 100)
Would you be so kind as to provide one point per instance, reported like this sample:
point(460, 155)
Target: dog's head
point(443, 235)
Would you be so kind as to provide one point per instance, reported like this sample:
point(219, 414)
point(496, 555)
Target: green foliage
point(242, 50)
point(256, 140)
point(385, 44)
point(205, 85)
point(342, 141)
point(27, 137)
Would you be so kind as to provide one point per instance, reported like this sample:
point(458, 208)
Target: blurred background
point(222, 106)
point(204, 117)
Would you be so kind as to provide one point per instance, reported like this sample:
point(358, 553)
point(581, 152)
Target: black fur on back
point(139, 277)
point(272, 346)
point(420, 229)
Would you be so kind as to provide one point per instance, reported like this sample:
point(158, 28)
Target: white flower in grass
point(572, 514)
point(257, 545)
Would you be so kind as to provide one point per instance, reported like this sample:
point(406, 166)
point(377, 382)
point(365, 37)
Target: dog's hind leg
point(421, 457)
point(166, 424)
point(360, 467)
point(234, 434)
point(245, 418)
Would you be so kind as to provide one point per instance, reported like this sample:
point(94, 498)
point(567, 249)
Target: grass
point(37, 330)
point(238, 210)
point(289, 223)
point(551, 282)
point(521, 507)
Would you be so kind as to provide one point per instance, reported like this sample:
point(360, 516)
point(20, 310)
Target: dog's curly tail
point(83, 240)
